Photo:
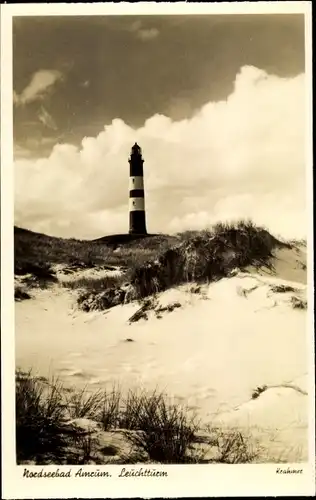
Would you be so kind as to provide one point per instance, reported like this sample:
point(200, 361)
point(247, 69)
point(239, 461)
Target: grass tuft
point(110, 409)
point(282, 288)
point(167, 430)
point(39, 417)
point(21, 293)
point(81, 404)
point(236, 448)
point(298, 303)
point(259, 390)
point(95, 285)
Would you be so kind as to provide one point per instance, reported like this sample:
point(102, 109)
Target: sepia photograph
point(161, 243)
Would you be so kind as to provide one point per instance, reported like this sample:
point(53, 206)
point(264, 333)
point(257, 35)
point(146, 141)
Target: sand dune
point(211, 353)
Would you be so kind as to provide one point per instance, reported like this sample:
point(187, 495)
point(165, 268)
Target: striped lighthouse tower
point(137, 219)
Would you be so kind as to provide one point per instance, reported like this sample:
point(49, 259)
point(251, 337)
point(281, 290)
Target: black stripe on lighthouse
point(136, 193)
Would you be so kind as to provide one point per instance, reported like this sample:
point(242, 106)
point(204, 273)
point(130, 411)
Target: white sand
point(210, 354)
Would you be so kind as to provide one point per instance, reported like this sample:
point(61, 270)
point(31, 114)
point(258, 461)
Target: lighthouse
point(137, 218)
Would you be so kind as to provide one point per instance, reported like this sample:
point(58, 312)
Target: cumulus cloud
point(27, 148)
point(243, 157)
point(41, 82)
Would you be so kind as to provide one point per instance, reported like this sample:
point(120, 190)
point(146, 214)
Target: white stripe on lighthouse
point(136, 182)
point(136, 204)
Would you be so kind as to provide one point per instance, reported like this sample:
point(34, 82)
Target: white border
point(152, 8)
point(183, 481)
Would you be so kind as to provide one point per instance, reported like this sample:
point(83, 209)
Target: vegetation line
point(61, 427)
point(199, 256)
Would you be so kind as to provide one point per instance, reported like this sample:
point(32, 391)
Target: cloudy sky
point(216, 102)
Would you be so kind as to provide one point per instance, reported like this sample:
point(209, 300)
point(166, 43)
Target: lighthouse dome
point(136, 149)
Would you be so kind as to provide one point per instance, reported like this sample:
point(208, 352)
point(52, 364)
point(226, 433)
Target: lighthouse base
point(137, 222)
